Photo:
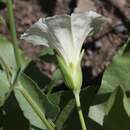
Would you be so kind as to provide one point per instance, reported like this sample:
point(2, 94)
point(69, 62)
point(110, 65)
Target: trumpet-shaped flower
point(66, 34)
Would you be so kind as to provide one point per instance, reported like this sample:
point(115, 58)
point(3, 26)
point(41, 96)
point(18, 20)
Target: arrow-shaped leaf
point(34, 103)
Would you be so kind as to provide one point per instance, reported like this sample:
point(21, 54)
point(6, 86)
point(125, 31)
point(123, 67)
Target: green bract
point(66, 34)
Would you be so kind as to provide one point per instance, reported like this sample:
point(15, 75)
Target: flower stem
point(82, 121)
point(13, 31)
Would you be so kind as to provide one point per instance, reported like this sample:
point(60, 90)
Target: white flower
point(65, 34)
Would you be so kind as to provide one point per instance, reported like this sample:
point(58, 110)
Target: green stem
point(82, 121)
point(36, 109)
point(13, 31)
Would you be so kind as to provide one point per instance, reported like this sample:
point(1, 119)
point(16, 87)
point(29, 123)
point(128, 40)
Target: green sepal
point(72, 73)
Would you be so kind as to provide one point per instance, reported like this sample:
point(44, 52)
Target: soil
point(99, 50)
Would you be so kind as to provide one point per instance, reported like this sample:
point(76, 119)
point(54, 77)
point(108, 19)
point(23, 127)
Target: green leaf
point(34, 103)
point(114, 114)
point(117, 73)
point(7, 53)
point(4, 87)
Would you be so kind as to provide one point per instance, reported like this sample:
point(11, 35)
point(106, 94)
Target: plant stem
point(13, 31)
point(36, 109)
point(82, 121)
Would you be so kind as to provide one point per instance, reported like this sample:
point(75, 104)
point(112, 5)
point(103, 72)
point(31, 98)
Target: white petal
point(38, 34)
point(35, 39)
point(83, 24)
point(60, 27)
